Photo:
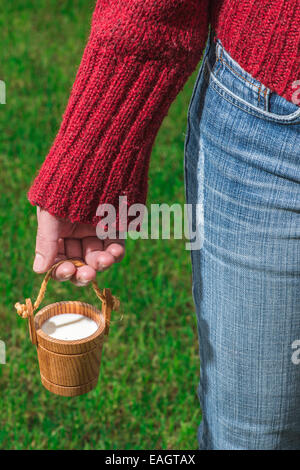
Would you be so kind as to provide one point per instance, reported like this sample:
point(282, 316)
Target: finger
point(95, 255)
point(92, 247)
point(60, 257)
point(47, 237)
point(61, 248)
point(83, 276)
point(116, 248)
point(73, 248)
point(64, 272)
point(61, 253)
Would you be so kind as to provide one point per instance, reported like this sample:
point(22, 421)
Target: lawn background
point(146, 396)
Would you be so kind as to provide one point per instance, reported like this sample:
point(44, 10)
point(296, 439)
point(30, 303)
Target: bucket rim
point(97, 316)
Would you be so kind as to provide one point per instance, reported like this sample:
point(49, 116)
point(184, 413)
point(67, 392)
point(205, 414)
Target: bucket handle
point(109, 302)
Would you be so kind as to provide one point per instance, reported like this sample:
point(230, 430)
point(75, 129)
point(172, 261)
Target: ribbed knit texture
point(138, 57)
point(263, 37)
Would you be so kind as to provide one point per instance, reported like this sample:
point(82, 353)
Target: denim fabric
point(242, 176)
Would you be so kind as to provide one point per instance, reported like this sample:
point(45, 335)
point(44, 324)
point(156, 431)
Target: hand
point(59, 239)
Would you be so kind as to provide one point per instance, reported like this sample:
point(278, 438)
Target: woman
point(242, 170)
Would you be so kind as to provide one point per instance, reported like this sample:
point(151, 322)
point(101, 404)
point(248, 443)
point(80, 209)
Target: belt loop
point(219, 55)
point(267, 93)
point(263, 94)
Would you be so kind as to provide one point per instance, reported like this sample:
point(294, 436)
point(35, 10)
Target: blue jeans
point(242, 177)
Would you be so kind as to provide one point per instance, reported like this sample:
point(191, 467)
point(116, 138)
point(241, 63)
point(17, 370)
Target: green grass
point(146, 396)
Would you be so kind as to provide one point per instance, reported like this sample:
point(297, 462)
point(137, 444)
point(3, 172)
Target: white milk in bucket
point(69, 326)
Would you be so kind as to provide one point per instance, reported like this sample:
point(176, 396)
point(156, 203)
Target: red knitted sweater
point(137, 59)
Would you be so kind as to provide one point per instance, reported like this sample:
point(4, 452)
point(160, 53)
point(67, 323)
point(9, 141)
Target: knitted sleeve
point(137, 59)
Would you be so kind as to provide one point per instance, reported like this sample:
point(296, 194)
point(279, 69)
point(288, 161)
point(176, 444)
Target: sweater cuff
point(103, 147)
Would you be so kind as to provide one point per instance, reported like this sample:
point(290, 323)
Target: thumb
point(47, 237)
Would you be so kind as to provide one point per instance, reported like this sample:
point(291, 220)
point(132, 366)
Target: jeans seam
point(200, 73)
point(258, 95)
point(261, 116)
point(218, 62)
point(265, 99)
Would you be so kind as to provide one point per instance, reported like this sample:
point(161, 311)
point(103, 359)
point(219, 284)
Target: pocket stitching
point(253, 110)
point(243, 78)
point(235, 102)
point(239, 75)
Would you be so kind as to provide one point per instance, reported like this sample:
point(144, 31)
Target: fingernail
point(64, 277)
point(39, 263)
point(101, 266)
point(67, 276)
point(83, 281)
point(82, 284)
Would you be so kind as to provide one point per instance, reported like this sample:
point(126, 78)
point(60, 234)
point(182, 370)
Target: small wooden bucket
point(69, 368)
